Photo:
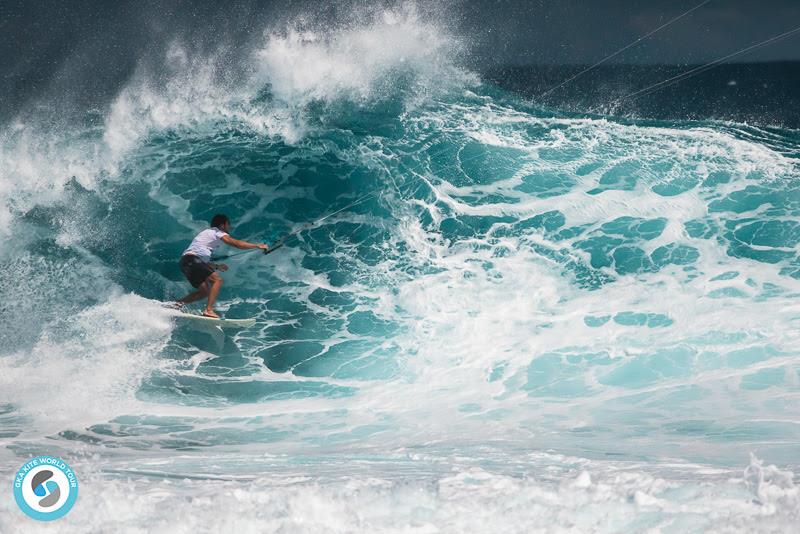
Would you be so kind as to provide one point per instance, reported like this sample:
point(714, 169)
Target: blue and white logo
point(45, 488)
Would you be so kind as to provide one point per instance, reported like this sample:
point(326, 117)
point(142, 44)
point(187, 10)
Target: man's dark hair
point(218, 220)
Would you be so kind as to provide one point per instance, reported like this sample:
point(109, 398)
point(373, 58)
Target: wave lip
point(384, 56)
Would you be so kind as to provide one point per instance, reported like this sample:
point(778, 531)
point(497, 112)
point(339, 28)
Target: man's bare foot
point(210, 313)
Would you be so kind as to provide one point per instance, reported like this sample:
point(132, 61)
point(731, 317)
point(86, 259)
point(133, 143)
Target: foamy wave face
point(561, 281)
point(576, 280)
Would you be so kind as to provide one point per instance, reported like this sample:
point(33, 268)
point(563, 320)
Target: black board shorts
point(195, 270)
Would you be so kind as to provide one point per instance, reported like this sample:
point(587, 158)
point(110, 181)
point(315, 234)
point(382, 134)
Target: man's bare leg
point(201, 292)
point(215, 282)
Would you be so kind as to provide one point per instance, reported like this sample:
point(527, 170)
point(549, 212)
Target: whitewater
point(535, 320)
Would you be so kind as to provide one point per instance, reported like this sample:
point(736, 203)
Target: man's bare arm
point(238, 243)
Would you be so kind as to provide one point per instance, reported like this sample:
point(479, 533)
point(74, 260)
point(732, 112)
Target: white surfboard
point(210, 321)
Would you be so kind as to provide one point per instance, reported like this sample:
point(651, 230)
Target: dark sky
point(92, 47)
point(585, 31)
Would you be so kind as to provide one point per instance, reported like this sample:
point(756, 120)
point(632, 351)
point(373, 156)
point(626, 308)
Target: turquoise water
point(564, 321)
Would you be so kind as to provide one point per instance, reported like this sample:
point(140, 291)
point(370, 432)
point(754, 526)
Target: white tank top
point(205, 243)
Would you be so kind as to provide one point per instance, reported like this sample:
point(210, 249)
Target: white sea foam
point(85, 367)
point(548, 493)
point(361, 62)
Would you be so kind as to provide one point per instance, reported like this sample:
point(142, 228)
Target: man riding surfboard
point(196, 266)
